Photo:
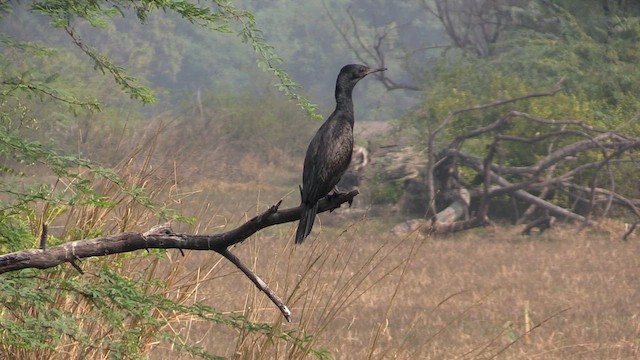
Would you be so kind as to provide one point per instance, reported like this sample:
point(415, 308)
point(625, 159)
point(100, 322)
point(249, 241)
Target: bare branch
point(356, 34)
point(433, 163)
point(365, 54)
point(617, 198)
point(161, 237)
point(542, 223)
point(557, 87)
point(554, 209)
point(261, 285)
point(486, 165)
point(43, 237)
point(584, 153)
point(632, 228)
point(132, 241)
point(543, 137)
point(474, 222)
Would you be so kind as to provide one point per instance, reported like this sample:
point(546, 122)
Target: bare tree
point(575, 150)
point(371, 46)
point(472, 25)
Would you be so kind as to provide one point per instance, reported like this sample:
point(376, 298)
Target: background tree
point(501, 50)
point(473, 25)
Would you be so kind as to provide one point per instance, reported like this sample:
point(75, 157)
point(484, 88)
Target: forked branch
point(162, 237)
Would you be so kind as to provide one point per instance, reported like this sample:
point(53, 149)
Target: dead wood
point(581, 161)
point(162, 237)
point(543, 175)
point(542, 223)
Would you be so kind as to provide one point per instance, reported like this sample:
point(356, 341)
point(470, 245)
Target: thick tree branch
point(609, 194)
point(132, 241)
point(433, 161)
point(552, 208)
point(163, 238)
point(577, 153)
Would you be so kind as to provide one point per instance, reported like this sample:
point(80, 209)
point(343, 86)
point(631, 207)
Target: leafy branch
point(121, 76)
point(218, 20)
point(116, 307)
point(44, 89)
point(268, 60)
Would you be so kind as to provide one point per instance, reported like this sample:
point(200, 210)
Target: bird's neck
point(344, 101)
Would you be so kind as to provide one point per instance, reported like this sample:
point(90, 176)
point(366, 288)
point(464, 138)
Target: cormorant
point(329, 152)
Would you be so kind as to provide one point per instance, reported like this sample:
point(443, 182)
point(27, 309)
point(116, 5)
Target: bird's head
point(355, 72)
point(349, 77)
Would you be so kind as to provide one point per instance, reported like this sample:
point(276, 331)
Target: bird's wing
point(342, 151)
point(327, 158)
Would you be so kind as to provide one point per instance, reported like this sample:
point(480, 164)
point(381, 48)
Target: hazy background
point(178, 59)
point(221, 144)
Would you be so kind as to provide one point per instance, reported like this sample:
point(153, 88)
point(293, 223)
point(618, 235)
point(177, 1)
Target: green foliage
point(103, 314)
point(268, 60)
point(386, 192)
point(219, 16)
point(596, 56)
point(46, 87)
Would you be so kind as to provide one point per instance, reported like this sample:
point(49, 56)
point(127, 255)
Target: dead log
point(459, 209)
point(453, 218)
point(542, 224)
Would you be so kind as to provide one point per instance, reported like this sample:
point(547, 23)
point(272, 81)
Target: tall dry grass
point(489, 293)
point(356, 290)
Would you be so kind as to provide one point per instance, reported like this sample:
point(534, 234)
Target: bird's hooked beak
point(371, 71)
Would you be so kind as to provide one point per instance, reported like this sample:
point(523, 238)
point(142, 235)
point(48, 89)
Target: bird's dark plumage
point(329, 152)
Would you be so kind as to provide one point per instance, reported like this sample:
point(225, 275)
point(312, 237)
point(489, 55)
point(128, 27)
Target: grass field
point(362, 292)
point(357, 291)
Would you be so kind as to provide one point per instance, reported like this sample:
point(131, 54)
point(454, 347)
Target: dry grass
point(364, 293)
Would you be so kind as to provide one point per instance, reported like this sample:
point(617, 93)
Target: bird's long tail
point(307, 217)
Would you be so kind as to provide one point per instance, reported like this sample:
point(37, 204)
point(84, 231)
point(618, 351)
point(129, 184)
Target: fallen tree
point(575, 179)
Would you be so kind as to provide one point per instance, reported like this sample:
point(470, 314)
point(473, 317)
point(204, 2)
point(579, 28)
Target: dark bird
point(329, 153)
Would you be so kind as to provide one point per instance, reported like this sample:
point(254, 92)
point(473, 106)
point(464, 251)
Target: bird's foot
point(336, 193)
point(331, 196)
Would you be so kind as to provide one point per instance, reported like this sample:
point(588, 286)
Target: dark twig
point(445, 122)
point(76, 266)
point(542, 223)
point(43, 237)
point(261, 285)
point(364, 54)
point(486, 165)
